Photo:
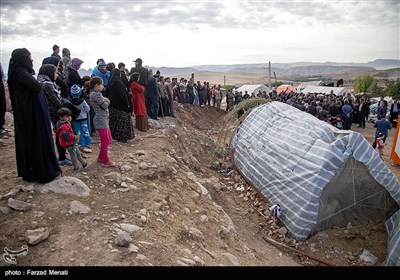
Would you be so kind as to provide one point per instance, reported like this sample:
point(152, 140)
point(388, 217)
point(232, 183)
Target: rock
point(5, 210)
point(188, 261)
point(194, 232)
point(282, 231)
point(130, 228)
point(140, 153)
point(64, 185)
point(27, 188)
point(34, 224)
point(233, 259)
point(199, 261)
point(126, 167)
point(141, 257)
point(114, 177)
point(143, 212)
point(78, 207)
point(124, 185)
point(38, 214)
point(187, 211)
point(367, 258)
point(123, 190)
point(181, 263)
point(123, 239)
point(13, 192)
point(114, 251)
point(349, 226)
point(18, 205)
point(203, 218)
point(133, 248)
point(143, 166)
point(36, 236)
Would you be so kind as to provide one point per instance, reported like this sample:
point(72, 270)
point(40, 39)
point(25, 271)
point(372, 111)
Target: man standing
point(56, 51)
point(142, 71)
point(382, 126)
point(394, 113)
point(362, 112)
point(66, 59)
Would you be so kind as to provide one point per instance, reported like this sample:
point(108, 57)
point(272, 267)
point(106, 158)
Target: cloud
point(197, 31)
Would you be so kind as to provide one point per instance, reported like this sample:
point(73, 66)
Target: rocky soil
point(170, 203)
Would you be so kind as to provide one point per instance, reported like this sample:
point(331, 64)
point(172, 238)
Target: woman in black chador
point(34, 146)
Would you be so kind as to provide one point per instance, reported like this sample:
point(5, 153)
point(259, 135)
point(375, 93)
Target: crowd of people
point(60, 102)
point(75, 109)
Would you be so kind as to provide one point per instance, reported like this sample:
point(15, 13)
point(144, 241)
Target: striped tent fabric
point(393, 251)
point(291, 157)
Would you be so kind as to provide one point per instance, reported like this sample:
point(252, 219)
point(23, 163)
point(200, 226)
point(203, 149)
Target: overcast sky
point(185, 33)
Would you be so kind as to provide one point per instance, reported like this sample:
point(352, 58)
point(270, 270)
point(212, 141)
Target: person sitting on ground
point(67, 138)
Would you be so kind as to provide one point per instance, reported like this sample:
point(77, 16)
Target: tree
point(376, 90)
point(393, 89)
point(363, 83)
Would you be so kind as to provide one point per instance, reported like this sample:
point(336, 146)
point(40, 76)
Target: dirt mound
point(166, 205)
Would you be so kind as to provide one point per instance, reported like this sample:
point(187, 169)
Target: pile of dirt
point(167, 204)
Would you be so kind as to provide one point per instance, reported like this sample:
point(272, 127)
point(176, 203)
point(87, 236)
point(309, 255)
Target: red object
point(138, 104)
point(66, 135)
point(285, 88)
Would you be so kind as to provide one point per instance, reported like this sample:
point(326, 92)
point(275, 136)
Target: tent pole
point(269, 75)
point(273, 242)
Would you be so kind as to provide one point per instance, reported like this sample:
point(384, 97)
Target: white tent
point(253, 89)
point(319, 175)
point(338, 91)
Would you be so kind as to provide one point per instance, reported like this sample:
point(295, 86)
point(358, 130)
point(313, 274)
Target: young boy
point(380, 144)
point(80, 125)
point(67, 138)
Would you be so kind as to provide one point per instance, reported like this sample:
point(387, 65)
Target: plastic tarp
point(393, 251)
point(319, 175)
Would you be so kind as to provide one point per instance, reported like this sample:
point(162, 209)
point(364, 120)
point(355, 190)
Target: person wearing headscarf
point(34, 146)
point(73, 76)
point(138, 103)
point(120, 108)
point(101, 71)
point(47, 76)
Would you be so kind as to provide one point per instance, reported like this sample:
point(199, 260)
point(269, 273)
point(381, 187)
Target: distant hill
point(259, 71)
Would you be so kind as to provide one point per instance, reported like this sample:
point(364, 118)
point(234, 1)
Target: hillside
point(175, 200)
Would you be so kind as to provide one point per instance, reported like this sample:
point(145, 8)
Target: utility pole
point(224, 81)
point(269, 75)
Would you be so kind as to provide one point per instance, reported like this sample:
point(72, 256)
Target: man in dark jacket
point(142, 71)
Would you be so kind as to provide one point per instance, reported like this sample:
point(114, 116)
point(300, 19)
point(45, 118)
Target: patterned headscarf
point(75, 63)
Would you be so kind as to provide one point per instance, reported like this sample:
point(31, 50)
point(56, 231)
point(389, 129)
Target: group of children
point(70, 132)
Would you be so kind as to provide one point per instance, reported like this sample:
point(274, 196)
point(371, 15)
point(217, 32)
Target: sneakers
point(65, 162)
point(110, 164)
point(87, 165)
point(87, 150)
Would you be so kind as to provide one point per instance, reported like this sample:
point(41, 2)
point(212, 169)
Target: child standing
point(67, 138)
point(80, 125)
point(380, 144)
point(100, 105)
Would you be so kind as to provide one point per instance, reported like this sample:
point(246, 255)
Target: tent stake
point(273, 242)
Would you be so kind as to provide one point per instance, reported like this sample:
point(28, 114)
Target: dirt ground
point(188, 212)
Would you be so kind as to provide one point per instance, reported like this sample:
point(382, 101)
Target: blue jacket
point(382, 126)
point(105, 75)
